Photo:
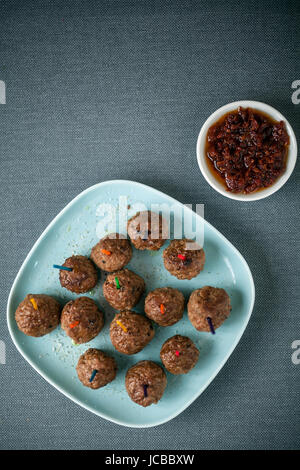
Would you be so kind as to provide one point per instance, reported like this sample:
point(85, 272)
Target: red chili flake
point(75, 323)
point(162, 309)
point(183, 257)
point(106, 252)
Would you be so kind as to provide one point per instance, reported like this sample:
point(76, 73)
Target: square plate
point(73, 231)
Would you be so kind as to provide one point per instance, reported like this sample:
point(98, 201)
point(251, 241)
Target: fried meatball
point(123, 289)
point(112, 252)
point(95, 369)
point(208, 303)
point(165, 306)
point(37, 315)
point(184, 261)
point(145, 383)
point(147, 230)
point(179, 354)
point(82, 320)
point(130, 332)
point(83, 276)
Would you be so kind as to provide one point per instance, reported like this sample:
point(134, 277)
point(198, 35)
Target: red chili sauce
point(247, 150)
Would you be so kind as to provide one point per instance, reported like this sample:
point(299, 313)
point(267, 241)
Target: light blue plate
point(55, 357)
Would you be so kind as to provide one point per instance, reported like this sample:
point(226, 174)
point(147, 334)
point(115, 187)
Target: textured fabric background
point(120, 89)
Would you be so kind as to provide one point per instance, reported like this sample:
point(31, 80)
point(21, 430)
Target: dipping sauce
point(247, 150)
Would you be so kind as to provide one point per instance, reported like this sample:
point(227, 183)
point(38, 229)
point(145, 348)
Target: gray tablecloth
point(120, 89)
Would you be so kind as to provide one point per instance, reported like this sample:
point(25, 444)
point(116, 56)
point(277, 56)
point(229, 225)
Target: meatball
point(165, 306)
point(179, 354)
point(123, 289)
point(83, 276)
point(184, 261)
point(147, 230)
point(112, 252)
point(38, 314)
point(145, 383)
point(208, 308)
point(82, 320)
point(130, 332)
point(95, 369)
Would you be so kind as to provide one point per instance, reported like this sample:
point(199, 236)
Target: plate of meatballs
point(129, 321)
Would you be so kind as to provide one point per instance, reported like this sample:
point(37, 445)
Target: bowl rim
point(200, 150)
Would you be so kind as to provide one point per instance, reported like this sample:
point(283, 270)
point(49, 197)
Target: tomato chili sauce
point(247, 150)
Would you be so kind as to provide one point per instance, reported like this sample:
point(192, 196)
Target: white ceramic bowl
point(202, 159)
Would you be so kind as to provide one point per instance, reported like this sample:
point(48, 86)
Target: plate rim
point(69, 395)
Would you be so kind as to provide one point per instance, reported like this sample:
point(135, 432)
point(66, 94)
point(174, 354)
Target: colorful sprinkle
point(74, 344)
point(211, 326)
point(162, 309)
point(106, 252)
point(122, 326)
point(34, 304)
point(183, 257)
point(177, 353)
point(145, 390)
point(117, 283)
point(63, 268)
point(93, 375)
point(75, 323)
